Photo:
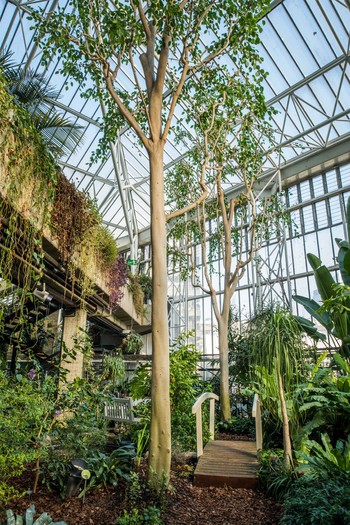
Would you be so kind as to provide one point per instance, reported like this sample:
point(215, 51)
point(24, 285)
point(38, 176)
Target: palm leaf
point(32, 91)
point(60, 134)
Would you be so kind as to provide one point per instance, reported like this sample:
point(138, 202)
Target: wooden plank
point(231, 463)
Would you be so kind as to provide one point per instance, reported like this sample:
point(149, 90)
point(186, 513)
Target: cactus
point(28, 519)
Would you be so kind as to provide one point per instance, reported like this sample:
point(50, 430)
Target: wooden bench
point(120, 409)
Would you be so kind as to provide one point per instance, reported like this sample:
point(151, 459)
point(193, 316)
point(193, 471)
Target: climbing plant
point(35, 196)
point(28, 179)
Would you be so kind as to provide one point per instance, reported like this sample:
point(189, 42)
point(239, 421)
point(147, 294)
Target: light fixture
point(43, 295)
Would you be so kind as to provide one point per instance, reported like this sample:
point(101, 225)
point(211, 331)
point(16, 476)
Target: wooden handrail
point(197, 409)
point(256, 412)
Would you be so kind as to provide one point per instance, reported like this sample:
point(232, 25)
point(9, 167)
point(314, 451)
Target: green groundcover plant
point(320, 501)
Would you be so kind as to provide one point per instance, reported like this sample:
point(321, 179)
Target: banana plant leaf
point(347, 266)
point(324, 282)
point(311, 307)
point(344, 260)
point(314, 261)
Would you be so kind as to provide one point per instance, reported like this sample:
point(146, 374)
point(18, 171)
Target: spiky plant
point(277, 347)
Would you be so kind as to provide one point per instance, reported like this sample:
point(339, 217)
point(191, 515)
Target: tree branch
point(123, 109)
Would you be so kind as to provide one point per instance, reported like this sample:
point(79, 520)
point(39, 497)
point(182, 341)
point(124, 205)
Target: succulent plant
point(28, 518)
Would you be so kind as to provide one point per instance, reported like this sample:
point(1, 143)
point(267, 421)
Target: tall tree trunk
point(287, 444)
point(224, 369)
point(160, 440)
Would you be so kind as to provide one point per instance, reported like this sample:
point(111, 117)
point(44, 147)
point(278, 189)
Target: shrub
point(132, 344)
point(275, 478)
point(325, 460)
point(25, 413)
point(317, 502)
point(185, 387)
point(243, 426)
point(150, 516)
point(107, 469)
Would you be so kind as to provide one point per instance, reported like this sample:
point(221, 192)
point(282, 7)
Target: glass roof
point(305, 47)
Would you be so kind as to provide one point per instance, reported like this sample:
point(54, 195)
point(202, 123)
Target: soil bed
point(185, 504)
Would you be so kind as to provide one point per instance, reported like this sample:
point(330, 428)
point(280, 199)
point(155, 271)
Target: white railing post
point(256, 412)
point(212, 418)
point(197, 409)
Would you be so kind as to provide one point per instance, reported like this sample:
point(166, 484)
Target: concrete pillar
point(71, 326)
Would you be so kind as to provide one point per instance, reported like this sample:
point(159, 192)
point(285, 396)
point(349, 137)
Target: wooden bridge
point(231, 463)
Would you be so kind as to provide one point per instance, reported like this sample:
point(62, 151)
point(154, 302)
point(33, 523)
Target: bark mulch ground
point(185, 504)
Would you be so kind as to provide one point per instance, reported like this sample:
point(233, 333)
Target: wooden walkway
point(231, 463)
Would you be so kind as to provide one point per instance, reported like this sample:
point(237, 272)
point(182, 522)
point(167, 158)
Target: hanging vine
point(35, 196)
point(27, 181)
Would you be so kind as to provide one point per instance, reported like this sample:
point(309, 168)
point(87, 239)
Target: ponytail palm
point(277, 348)
point(31, 91)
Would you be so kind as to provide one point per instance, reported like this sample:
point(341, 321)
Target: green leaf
point(310, 328)
point(30, 515)
point(311, 307)
point(347, 265)
point(344, 254)
point(324, 282)
point(341, 243)
point(314, 261)
point(348, 217)
point(11, 520)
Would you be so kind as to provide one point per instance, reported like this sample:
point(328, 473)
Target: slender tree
point(230, 122)
point(161, 44)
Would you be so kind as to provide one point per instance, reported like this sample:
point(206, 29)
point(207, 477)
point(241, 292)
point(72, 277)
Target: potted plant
point(146, 285)
point(132, 344)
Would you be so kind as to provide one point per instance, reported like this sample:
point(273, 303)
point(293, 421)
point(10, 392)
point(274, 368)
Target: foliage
point(324, 402)
point(325, 460)
point(239, 347)
point(70, 438)
point(142, 438)
point(27, 180)
point(83, 241)
point(277, 342)
point(31, 90)
point(149, 516)
point(146, 285)
point(317, 502)
point(108, 469)
point(277, 362)
point(25, 412)
point(40, 426)
point(138, 297)
point(274, 477)
point(78, 431)
point(114, 369)
point(106, 245)
point(173, 26)
point(117, 278)
point(185, 387)
point(71, 217)
point(334, 312)
point(238, 425)
point(132, 344)
point(28, 519)
point(30, 180)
